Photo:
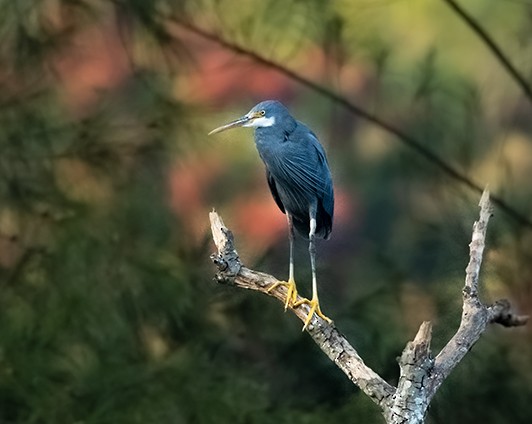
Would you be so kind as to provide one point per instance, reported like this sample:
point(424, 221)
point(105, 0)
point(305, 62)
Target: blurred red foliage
point(219, 76)
point(94, 61)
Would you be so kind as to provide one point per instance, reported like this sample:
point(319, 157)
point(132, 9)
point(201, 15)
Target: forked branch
point(420, 373)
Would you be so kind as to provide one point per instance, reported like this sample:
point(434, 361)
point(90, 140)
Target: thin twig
point(476, 247)
point(490, 43)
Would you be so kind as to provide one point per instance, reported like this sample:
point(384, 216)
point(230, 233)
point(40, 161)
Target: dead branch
point(475, 315)
point(326, 336)
point(420, 373)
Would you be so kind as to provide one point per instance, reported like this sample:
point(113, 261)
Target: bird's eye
point(262, 113)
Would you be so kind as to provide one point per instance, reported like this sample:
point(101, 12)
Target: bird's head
point(265, 114)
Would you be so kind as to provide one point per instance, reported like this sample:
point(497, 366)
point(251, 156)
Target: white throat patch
point(260, 122)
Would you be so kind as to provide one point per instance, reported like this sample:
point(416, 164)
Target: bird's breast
point(272, 148)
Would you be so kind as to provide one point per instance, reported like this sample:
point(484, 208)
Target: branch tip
point(227, 259)
point(217, 227)
point(424, 334)
point(484, 198)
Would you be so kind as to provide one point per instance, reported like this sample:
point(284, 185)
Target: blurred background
point(109, 313)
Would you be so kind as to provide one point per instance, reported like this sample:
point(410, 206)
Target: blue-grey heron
point(299, 179)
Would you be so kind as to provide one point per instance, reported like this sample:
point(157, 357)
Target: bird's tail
point(323, 226)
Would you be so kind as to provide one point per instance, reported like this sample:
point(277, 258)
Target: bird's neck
point(268, 131)
point(266, 137)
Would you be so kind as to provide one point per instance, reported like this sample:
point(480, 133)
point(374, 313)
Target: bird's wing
point(273, 189)
point(328, 193)
point(309, 172)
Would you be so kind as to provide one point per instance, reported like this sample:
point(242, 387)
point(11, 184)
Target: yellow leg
point(314, 303)
point(291, 291)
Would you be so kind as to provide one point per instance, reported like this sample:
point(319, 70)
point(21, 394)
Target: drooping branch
point(404, 138)
point(338, 99)
point(420, 373)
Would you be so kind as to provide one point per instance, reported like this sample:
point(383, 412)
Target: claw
point(291, 291)
point(314, 308)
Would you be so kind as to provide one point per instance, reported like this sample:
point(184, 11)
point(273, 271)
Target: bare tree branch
point(326, 336)
point(475, 315)
point(411, 402)
point(420, 374)
point(357, 110)
point(493, 47)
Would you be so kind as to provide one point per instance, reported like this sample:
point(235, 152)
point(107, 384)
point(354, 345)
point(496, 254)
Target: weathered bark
point(420, 373)
point(327, 337)
point(410, 401)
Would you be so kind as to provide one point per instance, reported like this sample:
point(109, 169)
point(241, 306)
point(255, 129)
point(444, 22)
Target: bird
point(299, 178)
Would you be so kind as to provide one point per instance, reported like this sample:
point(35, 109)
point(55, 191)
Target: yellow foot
point(291, 291)
point(314, 308)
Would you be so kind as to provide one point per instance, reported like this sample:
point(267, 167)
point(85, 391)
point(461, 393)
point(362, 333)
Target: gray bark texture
point(421, 374)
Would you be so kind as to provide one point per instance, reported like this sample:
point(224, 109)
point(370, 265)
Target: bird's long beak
point(233, 124)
